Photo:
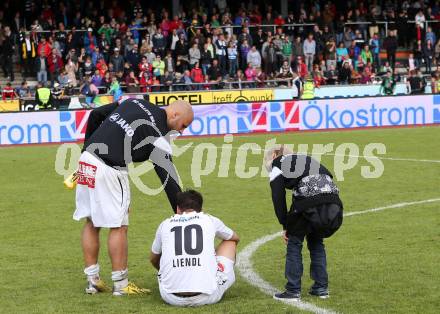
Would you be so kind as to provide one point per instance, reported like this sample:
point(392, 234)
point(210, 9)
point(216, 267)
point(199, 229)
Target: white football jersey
point(186, 242)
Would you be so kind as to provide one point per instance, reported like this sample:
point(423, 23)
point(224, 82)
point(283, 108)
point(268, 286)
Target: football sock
point(92, 272)
point(120, 278)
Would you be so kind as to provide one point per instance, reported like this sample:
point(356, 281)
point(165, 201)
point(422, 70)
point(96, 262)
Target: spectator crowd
point(100, 46)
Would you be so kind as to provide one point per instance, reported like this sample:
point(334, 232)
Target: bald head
point(179, 115)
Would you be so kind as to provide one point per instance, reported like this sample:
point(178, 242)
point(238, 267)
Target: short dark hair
point(190, 199)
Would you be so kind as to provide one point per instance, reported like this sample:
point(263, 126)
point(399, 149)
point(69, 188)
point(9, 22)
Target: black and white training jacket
point(311, 184)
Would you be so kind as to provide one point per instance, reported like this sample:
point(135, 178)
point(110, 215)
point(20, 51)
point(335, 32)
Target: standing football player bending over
point(134, 131)
point(191, 271)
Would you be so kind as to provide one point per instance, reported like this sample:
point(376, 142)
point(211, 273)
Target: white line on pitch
point(398, 205)
point(388, 158)
point(245, 266)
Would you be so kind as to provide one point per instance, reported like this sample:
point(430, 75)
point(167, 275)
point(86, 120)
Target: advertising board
point(252, 117)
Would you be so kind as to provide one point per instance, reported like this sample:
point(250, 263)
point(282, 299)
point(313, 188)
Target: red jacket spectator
point(279, 21)
point(144, 66)
point(8, 92)
point(44, 47)
point(102, 67)
point(197, 75)
point(55, 63)
point(175, 23)
point(301, 69)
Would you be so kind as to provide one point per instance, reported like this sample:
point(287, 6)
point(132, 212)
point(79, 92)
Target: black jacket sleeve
point(97, 116)
point(171, 186)
point(279, 199)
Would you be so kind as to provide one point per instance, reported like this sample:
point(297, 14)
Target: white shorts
point(225, 278)
point(102, 193)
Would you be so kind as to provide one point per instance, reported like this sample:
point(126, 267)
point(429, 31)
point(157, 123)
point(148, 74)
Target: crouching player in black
point(316, 213)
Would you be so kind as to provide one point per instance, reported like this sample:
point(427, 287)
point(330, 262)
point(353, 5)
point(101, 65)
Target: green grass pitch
point(383, 262)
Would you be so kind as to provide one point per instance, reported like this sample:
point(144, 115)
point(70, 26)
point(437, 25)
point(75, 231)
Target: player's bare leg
point(118, 252)
point(227, 248)
point(90, 243)
point(118, 247)
point(90, 246)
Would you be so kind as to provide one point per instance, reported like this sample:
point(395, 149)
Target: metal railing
point(58, 31)
point(274, 26)
point(221, 85)
point(225, 85)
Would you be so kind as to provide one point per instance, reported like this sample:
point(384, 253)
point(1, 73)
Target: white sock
point(120, 278)
point(92, 272)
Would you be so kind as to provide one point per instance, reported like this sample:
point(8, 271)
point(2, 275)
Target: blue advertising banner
point(268, 116)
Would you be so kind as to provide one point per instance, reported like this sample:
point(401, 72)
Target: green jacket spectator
point(286, 48)
point(158, 66)
point(388, 84)
point(108, 31)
